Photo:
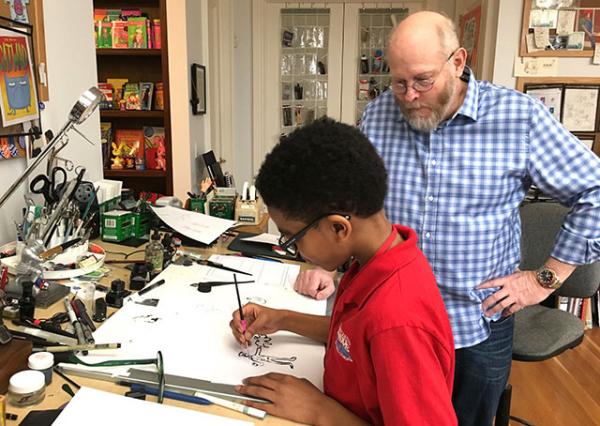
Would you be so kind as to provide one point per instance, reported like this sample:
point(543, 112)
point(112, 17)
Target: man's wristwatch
point(547, 278)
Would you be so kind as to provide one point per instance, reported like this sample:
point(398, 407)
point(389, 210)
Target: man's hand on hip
point(515, 291)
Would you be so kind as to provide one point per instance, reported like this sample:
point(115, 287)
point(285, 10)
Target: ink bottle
point(155, 254)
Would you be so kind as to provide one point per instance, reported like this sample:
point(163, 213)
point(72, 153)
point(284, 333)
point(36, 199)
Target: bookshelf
point(139, 65)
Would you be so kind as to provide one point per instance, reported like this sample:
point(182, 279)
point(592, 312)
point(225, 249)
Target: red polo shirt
point(390, 353)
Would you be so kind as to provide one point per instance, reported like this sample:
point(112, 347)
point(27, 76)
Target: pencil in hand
point(242, 320)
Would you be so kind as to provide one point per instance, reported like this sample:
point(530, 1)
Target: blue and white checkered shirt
point(460, 186)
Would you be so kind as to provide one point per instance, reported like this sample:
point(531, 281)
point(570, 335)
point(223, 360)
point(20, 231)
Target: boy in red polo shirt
point(390, 354)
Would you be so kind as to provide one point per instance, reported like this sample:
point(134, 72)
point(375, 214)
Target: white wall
point(187, 41)
point(509, 33)
point(242, 89)
point(70, 53)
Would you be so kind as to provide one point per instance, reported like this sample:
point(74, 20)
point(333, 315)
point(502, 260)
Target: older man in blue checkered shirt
point(461, 155)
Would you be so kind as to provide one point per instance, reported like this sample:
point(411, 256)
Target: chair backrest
point(541, 222)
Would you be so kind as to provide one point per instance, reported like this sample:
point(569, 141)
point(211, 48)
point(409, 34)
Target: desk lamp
point(85, 105)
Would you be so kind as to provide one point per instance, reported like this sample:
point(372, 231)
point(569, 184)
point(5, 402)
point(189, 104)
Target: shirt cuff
point(575, 249)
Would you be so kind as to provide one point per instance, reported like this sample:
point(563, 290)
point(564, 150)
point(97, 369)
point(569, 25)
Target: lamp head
point(85, 105)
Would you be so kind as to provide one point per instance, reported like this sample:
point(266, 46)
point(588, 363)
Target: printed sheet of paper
point(566, 21)
point(579, 114)
point(551, 97)
point(191, 328)
point(541, 37)
point(93, 407)
point(197, 226)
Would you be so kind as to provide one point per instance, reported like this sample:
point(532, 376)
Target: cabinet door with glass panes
point(367, 28)
point(309, 66)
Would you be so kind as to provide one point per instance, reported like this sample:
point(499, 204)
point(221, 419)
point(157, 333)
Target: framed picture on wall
point(198, 97)
point(470, 23)
point(550, 95)
point(580, 108)
point(587, 139)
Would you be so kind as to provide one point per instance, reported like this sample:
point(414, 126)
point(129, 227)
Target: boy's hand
point(259, 320)
point(292, 398)
point(316, 283)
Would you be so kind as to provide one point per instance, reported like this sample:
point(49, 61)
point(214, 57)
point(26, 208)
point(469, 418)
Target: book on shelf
point(117, 84)
point(106, 139)
point(128, 149)
point(138, 36)
point(159, 102)
point(155, 148)
point(120, 35)
point(156, 33)
point(146, 92)
point(107, 101)
point(131, 95)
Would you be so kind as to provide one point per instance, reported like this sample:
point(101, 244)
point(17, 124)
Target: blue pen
point(135, 387)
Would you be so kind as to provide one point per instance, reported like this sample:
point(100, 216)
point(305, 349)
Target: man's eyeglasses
point(290, 244)
point(420, 84)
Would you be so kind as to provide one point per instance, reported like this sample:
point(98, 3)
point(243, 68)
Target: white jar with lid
point(42, 361)
point(26, 388)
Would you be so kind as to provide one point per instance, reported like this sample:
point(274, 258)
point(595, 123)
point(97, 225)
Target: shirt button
point(428, 235)
point(430, 198)
point(433, 162)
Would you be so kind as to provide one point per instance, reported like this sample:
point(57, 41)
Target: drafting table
point(55, 396)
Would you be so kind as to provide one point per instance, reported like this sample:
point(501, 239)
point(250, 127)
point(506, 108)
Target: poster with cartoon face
point(18, 98)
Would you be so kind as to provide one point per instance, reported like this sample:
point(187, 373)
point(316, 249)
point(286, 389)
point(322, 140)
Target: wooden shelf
point(115, 113)
point(134, 173)
point(128, 52)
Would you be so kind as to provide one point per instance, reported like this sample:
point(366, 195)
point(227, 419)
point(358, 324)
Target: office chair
point(542, 332)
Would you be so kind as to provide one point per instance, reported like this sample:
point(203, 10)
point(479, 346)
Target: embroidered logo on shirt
point(342, 344)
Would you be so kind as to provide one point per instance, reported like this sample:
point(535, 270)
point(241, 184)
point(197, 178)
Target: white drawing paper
point(93, 407)
point(579, 114)
point(194, 225)
point(192, 331)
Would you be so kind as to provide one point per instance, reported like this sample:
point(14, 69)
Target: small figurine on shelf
point(117, 160)
point(129, 162)
point(122, 104)
point(161, 160)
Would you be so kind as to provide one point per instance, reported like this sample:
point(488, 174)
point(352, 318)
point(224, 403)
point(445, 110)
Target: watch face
point(546, 276)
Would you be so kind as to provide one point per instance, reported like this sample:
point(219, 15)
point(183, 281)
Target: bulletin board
point(575, 102)
point(571, 28)
point(34, 10)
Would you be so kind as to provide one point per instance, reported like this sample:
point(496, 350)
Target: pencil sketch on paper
point(148, 318)
point(256, 299)
point(259, 359)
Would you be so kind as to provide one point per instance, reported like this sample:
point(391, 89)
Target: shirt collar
point(469, 105)
point(364, 281)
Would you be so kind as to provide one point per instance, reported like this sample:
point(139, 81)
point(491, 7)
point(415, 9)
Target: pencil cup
point(42, 361)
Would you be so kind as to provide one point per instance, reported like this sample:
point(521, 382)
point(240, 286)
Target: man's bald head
point(416, 33)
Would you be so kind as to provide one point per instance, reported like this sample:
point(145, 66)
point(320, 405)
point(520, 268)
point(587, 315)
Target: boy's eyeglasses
point(290, 244)
point(421, 84)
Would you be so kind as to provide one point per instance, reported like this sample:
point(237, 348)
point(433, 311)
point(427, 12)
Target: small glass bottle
point(155, 254)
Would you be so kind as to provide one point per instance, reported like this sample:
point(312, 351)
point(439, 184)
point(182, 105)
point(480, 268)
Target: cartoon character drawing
point(18, 93)
point(262, 342)
point(118, 152)
point(18, 11)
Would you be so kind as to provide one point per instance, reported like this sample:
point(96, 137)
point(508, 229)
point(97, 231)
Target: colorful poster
point(469, 35)
point(18, 99)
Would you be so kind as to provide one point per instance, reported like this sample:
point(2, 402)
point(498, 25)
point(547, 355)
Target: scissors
point(51, 188)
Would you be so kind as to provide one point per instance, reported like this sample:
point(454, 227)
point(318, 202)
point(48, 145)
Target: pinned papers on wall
point(528, 67)
point(97, 408)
